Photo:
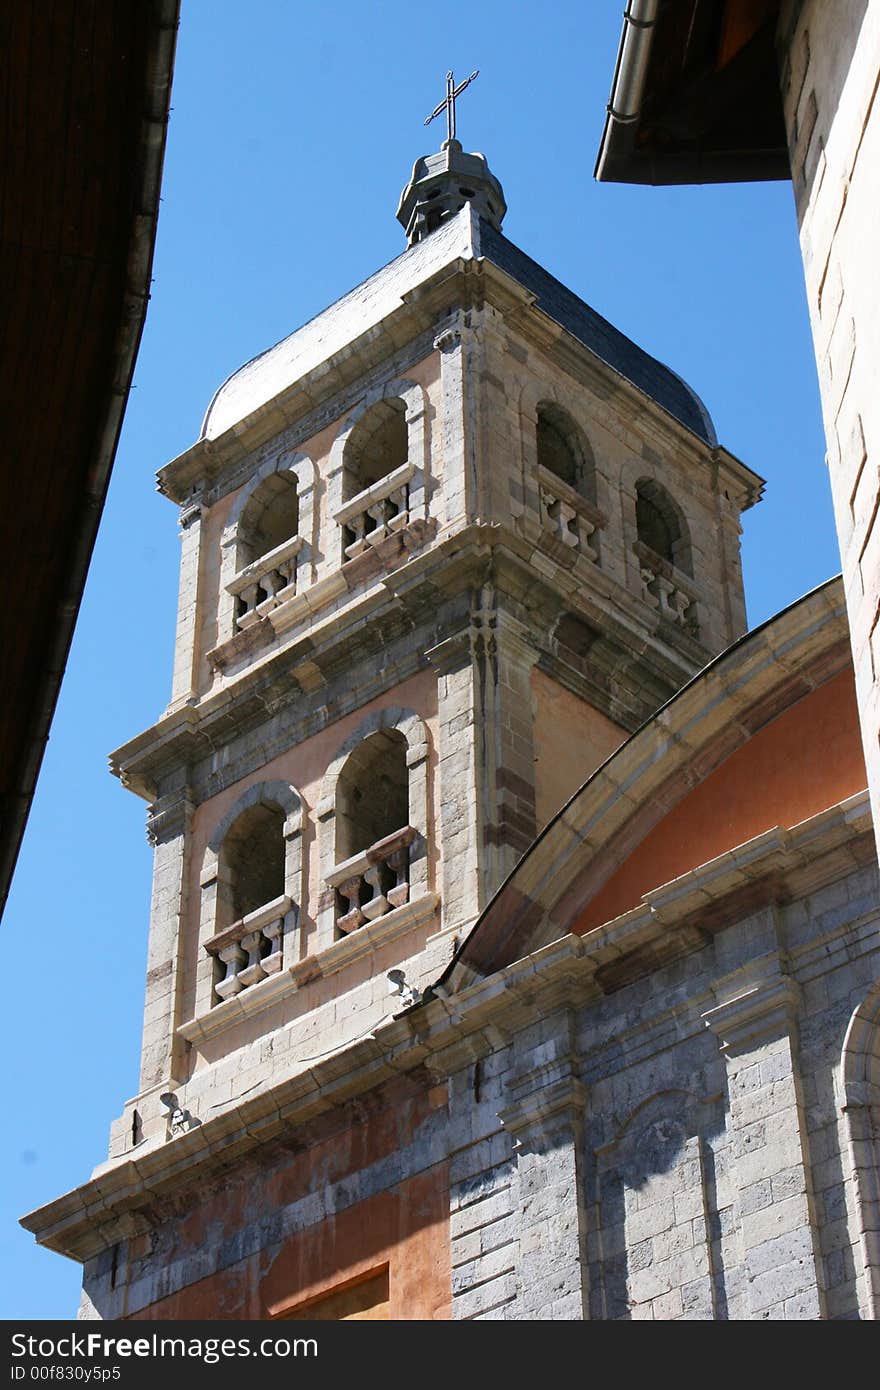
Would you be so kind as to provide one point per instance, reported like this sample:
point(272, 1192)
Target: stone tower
point(443, 549)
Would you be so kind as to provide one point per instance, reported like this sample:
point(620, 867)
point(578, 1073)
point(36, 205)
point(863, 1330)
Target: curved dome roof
point(464, 236)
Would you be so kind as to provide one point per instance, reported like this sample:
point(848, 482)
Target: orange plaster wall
point(406, 1228)
point(571, 740)
point(802, 762)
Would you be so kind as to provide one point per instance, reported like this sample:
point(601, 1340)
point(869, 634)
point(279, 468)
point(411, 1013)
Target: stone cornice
point(311, 655)
point(443, 1033)
point(464, 284)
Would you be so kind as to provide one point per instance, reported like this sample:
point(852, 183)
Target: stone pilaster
point(184, 684)
point(456, 811)
point(168, 829)
point(756, 1030)
point(545, 1120)
point(829, 72)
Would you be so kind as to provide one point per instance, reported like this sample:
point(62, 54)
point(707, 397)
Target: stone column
point(755, 1028)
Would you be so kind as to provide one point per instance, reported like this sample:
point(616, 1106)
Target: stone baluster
point(400, 515)
point(377, 510)
point(563, 516)
point(682, 604)
point(585, 530)
point(273, 934)
point(398, 863)
point(649, 578)
point(252, 943)
point(357, 526)
point(233, 957)
point(287, 571)
point(249, 598)
point(665, 590)
point(378, 904)
point(353, 917)
point(270, 583)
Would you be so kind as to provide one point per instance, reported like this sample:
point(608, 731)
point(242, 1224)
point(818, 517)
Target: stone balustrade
point(250, 949)
point(568, 516)
point(373, 882)
point(375, 513)
point(667, 590)
point(266, 582)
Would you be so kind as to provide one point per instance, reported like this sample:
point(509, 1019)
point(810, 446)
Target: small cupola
point(442, 183)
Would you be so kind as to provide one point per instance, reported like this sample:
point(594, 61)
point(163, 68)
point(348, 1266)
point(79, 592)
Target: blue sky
point(294, 128)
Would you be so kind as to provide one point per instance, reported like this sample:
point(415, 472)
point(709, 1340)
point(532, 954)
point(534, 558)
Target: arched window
point(376, 447)
point(660, 525)
point(373, 819)
point(664, 554)
point(267, 538)
point(564, 451)
point(253, 856)
point(270, 517)
point(377, 472)
point(373, 833)
point(251, 884)
point(372, 794)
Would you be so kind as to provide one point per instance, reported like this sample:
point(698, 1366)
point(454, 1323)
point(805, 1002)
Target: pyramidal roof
point(466, 236)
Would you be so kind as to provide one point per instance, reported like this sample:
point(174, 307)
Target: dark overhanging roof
point(83, 125)
point(562, 305)
point(695, 96)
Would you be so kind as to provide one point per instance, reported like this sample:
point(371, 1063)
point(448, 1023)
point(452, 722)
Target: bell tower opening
point(372, 793)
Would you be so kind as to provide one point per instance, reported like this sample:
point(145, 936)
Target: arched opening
point(373, 834)
point(372, 793)
point(660, 525)
point(270, 518)
point(253, 858)
point(377, 446)
point(564, 451)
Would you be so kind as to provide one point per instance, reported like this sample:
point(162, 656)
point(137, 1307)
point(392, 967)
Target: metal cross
point(448, 104)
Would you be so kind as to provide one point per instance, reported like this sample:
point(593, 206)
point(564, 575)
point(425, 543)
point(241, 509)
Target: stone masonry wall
point(830, 67)
point(691, 1146)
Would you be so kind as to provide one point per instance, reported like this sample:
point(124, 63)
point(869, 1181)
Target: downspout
point(624, 105)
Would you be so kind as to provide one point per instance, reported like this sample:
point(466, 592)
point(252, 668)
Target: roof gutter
point(624, 105)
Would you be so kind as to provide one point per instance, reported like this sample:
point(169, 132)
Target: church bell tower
point(443, 549)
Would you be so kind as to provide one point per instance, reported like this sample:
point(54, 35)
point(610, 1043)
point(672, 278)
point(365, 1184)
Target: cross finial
point(448, 103)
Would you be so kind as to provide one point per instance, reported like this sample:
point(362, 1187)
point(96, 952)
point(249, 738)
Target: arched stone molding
point(414, 731)
point(418, 452)
point(215, 880)
point(232, 548)
point(592, 493)
point(860, 1083)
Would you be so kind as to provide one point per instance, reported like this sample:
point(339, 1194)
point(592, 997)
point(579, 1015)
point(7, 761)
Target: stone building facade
point(514, 914)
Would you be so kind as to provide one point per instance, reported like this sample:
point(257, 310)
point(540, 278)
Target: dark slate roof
point(563, 306)
point(464, 236)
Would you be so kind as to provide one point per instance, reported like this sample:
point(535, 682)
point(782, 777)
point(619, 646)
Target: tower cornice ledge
point(452, 565)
